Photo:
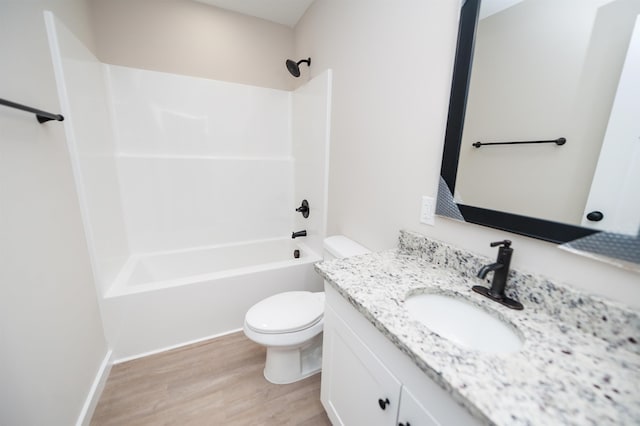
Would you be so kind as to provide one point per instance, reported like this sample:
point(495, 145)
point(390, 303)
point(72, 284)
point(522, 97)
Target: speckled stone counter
point(580, 363)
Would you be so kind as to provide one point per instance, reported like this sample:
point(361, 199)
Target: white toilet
point(290, 324)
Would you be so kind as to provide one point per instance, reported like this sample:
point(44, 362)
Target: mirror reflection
point(549, 69)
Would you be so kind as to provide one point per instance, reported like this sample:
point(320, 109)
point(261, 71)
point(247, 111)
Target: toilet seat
point(287, 312)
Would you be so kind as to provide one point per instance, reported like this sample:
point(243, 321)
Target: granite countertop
point(580, 363)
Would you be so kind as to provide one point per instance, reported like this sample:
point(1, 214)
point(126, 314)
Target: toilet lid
point(286, 312)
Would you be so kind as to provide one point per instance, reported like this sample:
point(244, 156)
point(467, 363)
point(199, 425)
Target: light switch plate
point(427, 210)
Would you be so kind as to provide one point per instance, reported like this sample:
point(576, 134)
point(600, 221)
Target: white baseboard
point(168, 348)
point(95, 392)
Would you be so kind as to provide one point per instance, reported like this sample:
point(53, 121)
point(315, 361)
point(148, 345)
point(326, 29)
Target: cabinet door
point(357, 389)
point(412, 413)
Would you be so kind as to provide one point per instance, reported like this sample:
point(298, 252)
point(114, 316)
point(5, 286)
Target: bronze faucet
point(500, 272)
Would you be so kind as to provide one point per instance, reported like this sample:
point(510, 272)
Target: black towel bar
point(42, 116)
point(559, 141)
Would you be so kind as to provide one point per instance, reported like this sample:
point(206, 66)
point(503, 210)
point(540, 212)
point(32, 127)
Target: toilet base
point(292, 363)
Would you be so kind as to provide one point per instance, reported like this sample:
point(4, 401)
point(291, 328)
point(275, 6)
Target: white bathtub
point(164, 300)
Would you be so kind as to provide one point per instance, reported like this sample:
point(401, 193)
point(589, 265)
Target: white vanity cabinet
point(366, 380)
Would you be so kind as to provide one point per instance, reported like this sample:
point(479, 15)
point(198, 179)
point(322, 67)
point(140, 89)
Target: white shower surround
point(200, 162)
point(166, 165)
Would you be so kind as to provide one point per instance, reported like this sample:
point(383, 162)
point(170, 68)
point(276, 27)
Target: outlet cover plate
point(427, 211)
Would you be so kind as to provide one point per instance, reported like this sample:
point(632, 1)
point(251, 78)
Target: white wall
point(201, 161)
point(52, 339)
point(392, 65)
point(310, 136)
point(191, 38)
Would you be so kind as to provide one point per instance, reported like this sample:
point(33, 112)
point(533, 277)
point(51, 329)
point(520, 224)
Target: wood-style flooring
point(217, 382)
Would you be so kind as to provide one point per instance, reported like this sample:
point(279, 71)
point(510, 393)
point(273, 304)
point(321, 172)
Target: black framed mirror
point(448, 205)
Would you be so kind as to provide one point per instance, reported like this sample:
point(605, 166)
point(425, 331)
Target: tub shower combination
point(188, 190)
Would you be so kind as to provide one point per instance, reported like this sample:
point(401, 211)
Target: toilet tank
point(339, 247)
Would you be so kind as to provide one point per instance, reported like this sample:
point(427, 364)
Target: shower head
point(294, 67)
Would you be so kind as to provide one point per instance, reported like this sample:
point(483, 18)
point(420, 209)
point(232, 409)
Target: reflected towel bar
point(42, 116)
point(559, 141)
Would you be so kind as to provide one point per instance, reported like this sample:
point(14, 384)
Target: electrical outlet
point(428, 210)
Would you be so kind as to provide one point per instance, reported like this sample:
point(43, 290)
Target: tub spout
point(302, 233)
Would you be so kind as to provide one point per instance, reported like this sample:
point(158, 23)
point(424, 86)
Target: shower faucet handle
point(304, 209)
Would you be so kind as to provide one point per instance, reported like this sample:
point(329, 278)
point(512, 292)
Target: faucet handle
point(505, 243)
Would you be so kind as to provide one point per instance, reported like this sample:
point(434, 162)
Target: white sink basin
point(463, 323)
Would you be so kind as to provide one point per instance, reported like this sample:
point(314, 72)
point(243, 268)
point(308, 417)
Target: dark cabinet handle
point(404, 424)
point(595, 216)
point(383, 403)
